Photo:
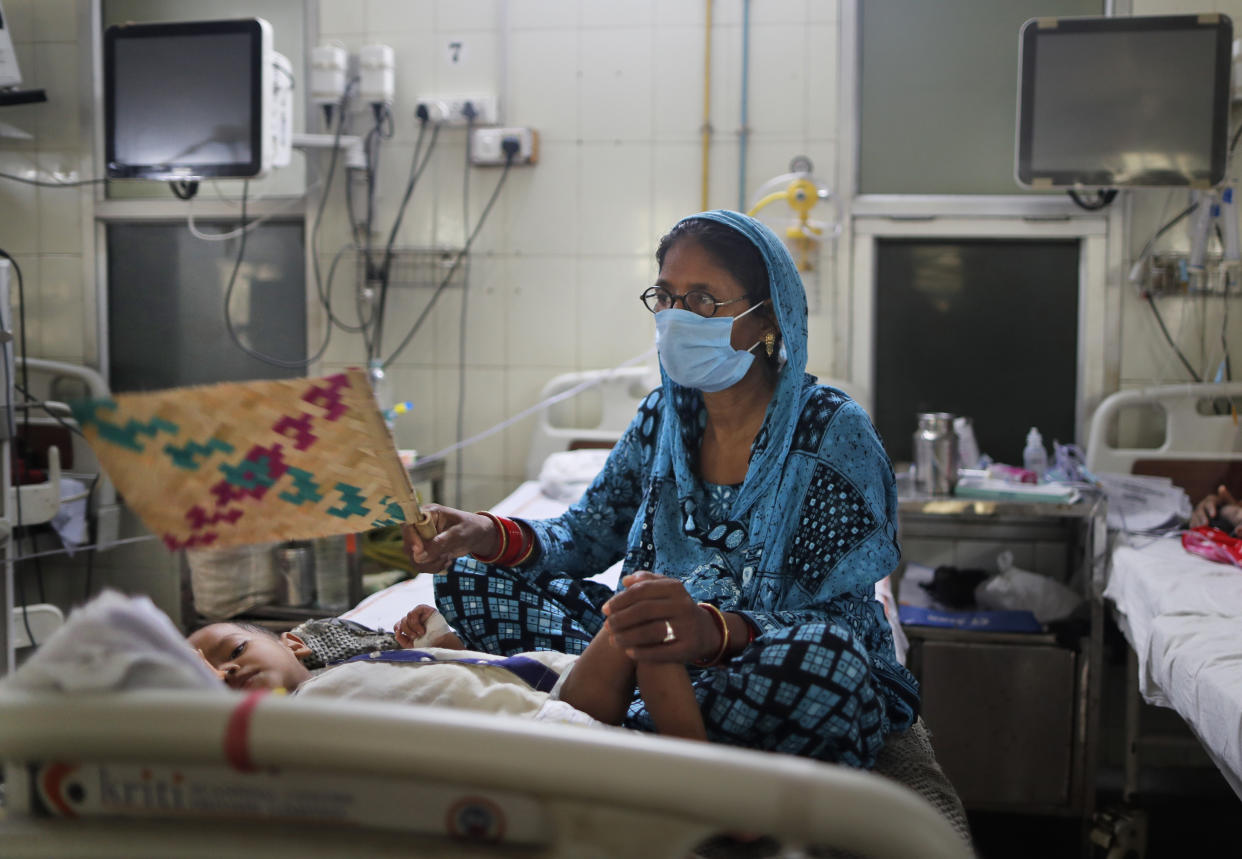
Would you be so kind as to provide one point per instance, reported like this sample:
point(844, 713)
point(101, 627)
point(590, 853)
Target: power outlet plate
point(451, 109)
point(487, 146)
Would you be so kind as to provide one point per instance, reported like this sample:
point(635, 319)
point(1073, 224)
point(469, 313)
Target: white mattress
point(1183, 616)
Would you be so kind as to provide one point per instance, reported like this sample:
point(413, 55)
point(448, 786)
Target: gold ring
point(669, 635)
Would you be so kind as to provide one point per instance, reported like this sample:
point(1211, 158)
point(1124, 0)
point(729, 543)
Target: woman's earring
point(769, 343)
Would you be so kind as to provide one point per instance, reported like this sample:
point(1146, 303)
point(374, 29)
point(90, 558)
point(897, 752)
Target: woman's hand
point(413, 625)
point(1212, 506)
point(641, 616)
point(458, 533)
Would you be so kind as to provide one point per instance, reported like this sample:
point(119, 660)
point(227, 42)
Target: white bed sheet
point(1182, 614)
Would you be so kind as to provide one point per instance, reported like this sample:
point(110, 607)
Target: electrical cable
point(325, 296)
point(381, 130)
point(232, 234)
point(1159, 319)
point(228, 319)
point(1103, 198)
point(1147, 248)
point(77, 183)
point(184, 190)
point(380, 300)
point(440, 287)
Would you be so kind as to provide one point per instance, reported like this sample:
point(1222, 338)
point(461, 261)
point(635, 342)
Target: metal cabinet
point(1015, 716)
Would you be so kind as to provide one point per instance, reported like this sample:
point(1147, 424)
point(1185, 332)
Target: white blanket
point(114, 643)
point(1183, 616)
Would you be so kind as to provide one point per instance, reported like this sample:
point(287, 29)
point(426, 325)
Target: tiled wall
point(616, 91)
point(48, 230)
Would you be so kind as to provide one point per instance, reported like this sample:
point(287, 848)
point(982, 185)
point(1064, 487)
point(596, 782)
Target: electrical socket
point(487, 146)
point(450, 109)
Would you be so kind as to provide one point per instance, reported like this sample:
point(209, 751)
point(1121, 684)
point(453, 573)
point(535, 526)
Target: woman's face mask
point(697, 351)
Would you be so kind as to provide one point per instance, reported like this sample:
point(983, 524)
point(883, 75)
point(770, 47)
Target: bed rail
point(1189, 433)
point(602, 792)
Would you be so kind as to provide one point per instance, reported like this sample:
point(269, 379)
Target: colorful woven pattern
point(239, 463)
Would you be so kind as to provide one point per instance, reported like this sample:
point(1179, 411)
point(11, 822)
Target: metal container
point(935, 454)
point(331, 573)
point(295, 562)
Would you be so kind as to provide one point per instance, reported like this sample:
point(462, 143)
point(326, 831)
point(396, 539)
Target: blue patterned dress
point(795, 549)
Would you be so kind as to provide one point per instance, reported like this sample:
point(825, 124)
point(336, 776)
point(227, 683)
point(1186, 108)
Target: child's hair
point(241, 624)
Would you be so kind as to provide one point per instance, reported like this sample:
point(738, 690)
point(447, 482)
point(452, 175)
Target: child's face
point(246, 659)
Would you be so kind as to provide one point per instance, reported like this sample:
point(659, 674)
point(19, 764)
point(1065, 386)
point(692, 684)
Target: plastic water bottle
point(1034, 456)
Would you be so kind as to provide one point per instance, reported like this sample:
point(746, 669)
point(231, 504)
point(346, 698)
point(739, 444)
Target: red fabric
point(1213, 544)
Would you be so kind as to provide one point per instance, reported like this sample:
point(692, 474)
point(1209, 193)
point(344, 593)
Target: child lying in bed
point(540, 684)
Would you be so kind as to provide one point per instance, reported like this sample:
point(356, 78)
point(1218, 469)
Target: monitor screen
point(1117, 102)
point(186, 100)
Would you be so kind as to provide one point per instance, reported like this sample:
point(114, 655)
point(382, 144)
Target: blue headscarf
point(789, 306)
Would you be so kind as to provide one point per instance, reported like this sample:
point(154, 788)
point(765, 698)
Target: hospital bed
point(348, 777)
point(1180, 613)
point(197, 773)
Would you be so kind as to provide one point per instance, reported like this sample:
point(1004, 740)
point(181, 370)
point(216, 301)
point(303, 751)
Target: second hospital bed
point(1180, 613)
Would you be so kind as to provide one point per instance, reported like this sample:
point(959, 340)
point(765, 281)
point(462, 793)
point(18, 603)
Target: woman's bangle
point(517, 542)
point(504, 540)
point(514, 540)
point(719, 617)
point(528, 536)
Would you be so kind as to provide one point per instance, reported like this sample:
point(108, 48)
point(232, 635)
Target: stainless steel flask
point(935, 454)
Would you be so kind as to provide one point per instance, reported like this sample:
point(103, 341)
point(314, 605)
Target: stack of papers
point(1141, 503)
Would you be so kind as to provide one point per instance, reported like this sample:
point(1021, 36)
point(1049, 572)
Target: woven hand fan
point(253, 462)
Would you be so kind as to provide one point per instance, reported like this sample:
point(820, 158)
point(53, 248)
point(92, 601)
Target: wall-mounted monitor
point(1124, 102)
point(188, 100)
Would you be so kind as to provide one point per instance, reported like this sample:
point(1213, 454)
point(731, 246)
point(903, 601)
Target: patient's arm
point(666, 689)
point(601, 685)
point(418, 623)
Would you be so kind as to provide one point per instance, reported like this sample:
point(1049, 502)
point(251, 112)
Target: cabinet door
point(1002, 719)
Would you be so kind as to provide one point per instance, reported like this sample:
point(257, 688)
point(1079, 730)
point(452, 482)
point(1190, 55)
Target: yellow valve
point(801, 236)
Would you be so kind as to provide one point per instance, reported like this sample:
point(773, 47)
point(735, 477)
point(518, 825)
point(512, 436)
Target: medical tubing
point(1199, 229)
point(459, 426)
point(453, 268)
point(228, 319)
point(542, 404)
point(1159, 319)
point(1229, 220)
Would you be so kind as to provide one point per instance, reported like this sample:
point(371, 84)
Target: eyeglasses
point(698, 301)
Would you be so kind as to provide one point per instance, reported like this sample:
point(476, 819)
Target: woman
point(764, 502)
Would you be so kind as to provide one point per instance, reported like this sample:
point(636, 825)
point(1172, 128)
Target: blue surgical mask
point(697, 351)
